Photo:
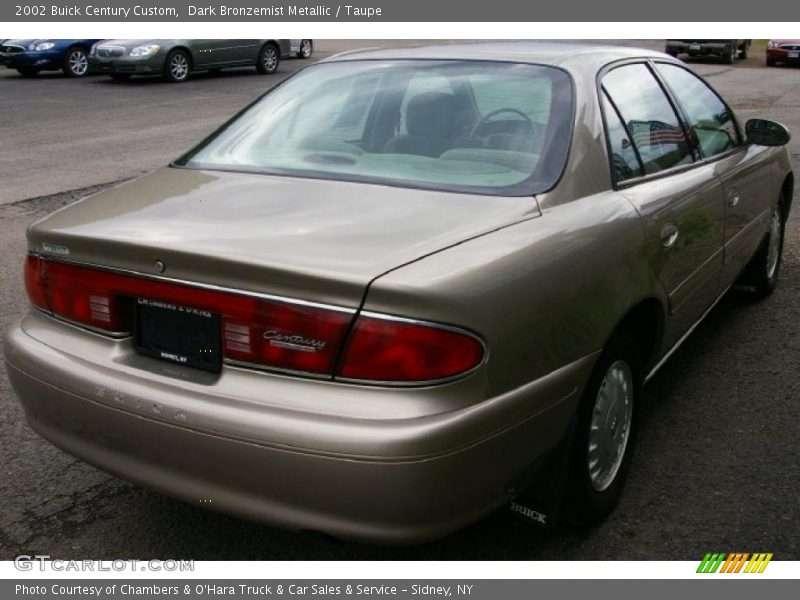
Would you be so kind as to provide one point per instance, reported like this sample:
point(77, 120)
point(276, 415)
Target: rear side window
point(712, 122)
point(624, 160)
point(648, 117)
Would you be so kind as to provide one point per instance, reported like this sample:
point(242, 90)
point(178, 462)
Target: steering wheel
point(491, 115)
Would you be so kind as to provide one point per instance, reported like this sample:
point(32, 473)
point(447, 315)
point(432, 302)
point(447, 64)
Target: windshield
point(485, 127)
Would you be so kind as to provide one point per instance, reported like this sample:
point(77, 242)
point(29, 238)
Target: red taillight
point(33, 282)
point(400, 351)
point(262, 331)
point(294, 337)
point(258, 330)
point(86, 296)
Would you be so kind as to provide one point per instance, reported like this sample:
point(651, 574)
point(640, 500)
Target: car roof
point(543, 53)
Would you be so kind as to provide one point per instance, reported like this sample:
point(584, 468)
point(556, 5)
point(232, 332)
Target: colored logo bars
point(735, 562)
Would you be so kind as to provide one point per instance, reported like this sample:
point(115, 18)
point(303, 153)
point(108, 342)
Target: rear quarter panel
point(542, 293)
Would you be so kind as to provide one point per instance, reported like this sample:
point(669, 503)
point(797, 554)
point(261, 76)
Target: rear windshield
point(482, 127)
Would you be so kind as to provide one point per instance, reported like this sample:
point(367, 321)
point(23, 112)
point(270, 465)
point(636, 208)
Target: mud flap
point(540, 505)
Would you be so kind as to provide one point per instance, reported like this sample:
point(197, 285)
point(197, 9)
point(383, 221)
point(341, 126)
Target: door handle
point(733, 198)
point(669, 235)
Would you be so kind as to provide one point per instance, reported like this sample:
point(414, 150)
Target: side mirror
point(766, 133)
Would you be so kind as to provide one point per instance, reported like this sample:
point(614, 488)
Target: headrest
point(431, 114)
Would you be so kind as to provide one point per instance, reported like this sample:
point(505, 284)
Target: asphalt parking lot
point(717, 464)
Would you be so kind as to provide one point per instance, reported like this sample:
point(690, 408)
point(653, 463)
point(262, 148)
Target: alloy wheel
point(610, 425)
point(270, 59)
point(774, 244)
point(179, 67)
point(78, 63)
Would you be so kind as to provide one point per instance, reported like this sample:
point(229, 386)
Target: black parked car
point(726, 49)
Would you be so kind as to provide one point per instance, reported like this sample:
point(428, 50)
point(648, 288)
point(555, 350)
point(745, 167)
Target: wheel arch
point(186, 51)
point(274, 44)
point(787, 192)
point(644, 323)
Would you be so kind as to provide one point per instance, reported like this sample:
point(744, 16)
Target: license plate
point(178, 334)
point(794, 54)
point(694, 47)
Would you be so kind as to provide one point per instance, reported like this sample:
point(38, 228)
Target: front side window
point(484, 127)
point(712, 122)
point(648, 116)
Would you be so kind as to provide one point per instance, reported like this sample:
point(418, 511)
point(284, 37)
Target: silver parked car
point(176, 60)
point(391, 294)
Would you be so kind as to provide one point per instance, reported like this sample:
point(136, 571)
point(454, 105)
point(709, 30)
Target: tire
point(771, 62)
point(27, 71)
point(268, 59)
point(177, 66)
point(762, 272)
point(120, 76)
point(592, 493)
point(730, 54)
point(306, 49)
point(743, 51)
point(76, 62)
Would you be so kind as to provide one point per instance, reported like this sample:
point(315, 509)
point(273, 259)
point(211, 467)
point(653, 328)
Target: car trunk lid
point(316, 240)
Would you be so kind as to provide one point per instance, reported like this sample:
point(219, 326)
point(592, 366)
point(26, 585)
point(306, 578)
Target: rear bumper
point(389, 480)
point(783, 55)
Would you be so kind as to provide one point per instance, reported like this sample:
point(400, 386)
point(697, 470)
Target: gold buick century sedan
point(403, 288)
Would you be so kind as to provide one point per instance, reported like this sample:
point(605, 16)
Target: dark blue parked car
point(31, 56)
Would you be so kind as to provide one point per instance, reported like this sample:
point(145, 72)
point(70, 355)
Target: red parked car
point(783, 51)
